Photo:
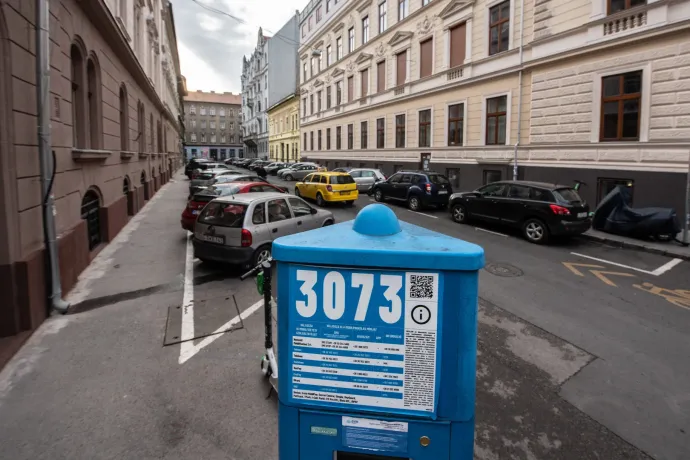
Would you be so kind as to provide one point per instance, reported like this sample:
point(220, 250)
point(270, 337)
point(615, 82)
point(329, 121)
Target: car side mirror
point(313, 210)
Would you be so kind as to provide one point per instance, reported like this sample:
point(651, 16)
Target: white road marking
point(489, 231)
point(189, 351)
point(423, 214)
point(187, 332)
point(659, 271)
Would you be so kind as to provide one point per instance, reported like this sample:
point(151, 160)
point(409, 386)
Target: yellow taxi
point(328, 187)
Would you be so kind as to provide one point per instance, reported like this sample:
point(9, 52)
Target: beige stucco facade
point(115, 131)
point(559, 50)
point(283, 130)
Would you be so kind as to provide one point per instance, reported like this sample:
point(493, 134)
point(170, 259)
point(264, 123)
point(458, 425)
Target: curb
point(639, 246)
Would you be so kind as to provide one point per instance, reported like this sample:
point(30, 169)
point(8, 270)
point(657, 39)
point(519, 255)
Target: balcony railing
point(454, 74)
point(627, 22)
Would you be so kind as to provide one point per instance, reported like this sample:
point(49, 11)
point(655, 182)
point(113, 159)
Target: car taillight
point(559, 210)
point(329, 188)
point(246, 238)
point(428, 188)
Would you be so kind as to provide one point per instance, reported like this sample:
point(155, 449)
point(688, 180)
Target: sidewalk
point(670, 249)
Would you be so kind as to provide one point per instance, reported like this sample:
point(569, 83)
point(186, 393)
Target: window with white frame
point(203, 124)
point(365, 29)
point(621, 100)
point(222, 138)
point(351, 40)
point(193, 124)
point(213, 138)
point(403, 9)
point(496, 120)
point(383, 20)
point(329, 59)
point(222, 112)
point(222, 125)
point(213, 111)
point(192, 109)
point(203, 137)
point(499, 28)
point(212, 124)
point(338, 48)
point(456, 124)
point(193, 137)
point(425, 128)
point(400, 131)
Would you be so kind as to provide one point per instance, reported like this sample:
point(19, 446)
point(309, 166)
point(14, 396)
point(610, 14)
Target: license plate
point(581, 215)
point(213, 239)
point(443, 192)
point(344, 193)
point(195, 212)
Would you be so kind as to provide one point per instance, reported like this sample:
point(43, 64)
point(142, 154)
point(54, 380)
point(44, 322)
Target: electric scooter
point(269, 363)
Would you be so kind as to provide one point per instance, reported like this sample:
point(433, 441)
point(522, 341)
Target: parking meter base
point(377, 333)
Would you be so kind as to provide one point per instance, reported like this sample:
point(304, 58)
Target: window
point(311, 140)
point(380, 133)
point(338, 93)
point(383, 12)
point(329, 59)
point(93, 104)
point(213, 138)
point(304, 30)
point(491, 175)
point(365, 29)
point(202, 111)
point(606, 186)
point(425, 128)
point(222, 125)
point(350, 136)
point(304, 107)
point(328, 97)
point(499, 28)
point(458, 45)
point(203, 137)
point(401, 75)
point(311, 66)
point(90, 212)
point(124, 119)
point(278, 210)
point(620, 107)
point(365, 82)
point(318, 101)
point(192, 110)
point(318, 14)
point(203, 124)
point(426, 51)
point(400, 131)
point(350, 88)
point(351, 40)
point(328, 138)
point(304, 71)
point(338, 132)
point(319, 63)
point(311, 22)
point(212, 111)
point(304, 144)
point(329, 4)
point(193, 137)
point(456, 122)
point(381, 76)
point(496, 110)
point(402, 9)
point(212, 125)
point(318, 137)
point(299, 207)
point(614, 6)
point(222, 112)
point(311, 104)
point(363, 134)
point(338, 48)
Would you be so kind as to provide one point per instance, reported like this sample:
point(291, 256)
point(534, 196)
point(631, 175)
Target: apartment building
point(213, 125)
point(115, 102)
point(283, 129)
point(553, 90)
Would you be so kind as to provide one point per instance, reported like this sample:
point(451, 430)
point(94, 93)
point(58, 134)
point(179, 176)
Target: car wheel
point(319, 200)
point(378, 195)
point(297, 192)
point(327, 223)
point(288, 177)
point(535, 231)
point(459, 214)
point(261, 254)
point(413, 203)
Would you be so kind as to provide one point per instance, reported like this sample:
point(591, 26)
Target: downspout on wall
point(519, 120)
point(45, 155)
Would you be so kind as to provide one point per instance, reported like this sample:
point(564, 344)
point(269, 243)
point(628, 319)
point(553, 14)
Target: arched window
point(124, 120)
point(90, 212)
point(78, 119)
point(130, 196)
point(141, 121)
point(144, 184)
point(94, 103)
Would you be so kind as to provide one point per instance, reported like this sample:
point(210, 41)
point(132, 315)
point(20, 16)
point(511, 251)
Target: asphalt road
point(574, 362)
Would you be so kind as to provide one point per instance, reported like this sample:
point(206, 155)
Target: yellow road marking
point(600, 274)
point(571, 266)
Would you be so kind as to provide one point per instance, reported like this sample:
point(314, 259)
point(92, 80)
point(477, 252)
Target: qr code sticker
point(421, 287)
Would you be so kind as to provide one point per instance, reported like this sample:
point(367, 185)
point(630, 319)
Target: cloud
point(212, 45)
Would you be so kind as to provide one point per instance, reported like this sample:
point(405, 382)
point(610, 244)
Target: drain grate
point(504, 270)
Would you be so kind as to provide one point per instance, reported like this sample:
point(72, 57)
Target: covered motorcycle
point(614, 215)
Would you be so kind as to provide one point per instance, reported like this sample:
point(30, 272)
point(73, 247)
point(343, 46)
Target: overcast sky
point(211, 45)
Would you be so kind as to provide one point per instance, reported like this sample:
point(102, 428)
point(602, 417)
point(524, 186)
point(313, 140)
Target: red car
point(198, 201)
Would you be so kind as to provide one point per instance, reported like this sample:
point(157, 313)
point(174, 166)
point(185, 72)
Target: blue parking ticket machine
point(377, 341)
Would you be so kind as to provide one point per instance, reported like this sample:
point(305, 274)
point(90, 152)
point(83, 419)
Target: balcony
point(627, 22)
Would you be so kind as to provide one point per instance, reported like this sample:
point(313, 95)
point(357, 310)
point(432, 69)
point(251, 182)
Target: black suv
point(416, 188)
point(538, 209)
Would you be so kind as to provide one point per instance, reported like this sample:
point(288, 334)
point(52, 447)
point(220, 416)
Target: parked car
point(226, 179)
point(240, 229)
point(204, 178)
point(203, 167)
point(193, 164)
point(366, 177)
point(259, 164)
point(328, 187)
point(281, 172)
point(301, 172)
point(273, 168)
point(540, 210)
point(345, 169)
point(201, 199)
point(416, 188)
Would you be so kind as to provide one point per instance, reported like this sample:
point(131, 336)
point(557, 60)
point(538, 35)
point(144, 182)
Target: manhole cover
point(505, 270)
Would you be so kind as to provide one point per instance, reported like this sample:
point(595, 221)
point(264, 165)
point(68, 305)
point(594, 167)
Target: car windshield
point(226, 179)
point(223, 214)
point(438, 179)
point(342, 179)
point(567, 195)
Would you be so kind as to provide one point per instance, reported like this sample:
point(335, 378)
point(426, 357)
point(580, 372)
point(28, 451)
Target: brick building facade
point(116, 136)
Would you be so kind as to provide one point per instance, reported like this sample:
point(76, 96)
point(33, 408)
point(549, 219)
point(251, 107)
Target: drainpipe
point(519, 115)
point(57, 303)
point(686, 234)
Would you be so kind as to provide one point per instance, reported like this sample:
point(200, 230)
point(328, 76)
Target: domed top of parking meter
point(376, 220)
point(376, 238)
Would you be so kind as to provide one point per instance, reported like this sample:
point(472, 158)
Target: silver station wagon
point(240, 229)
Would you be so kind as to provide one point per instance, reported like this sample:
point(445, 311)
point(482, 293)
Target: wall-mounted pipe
point(519, 114)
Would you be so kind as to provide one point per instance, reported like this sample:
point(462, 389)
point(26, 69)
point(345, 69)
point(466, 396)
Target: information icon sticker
point(421, 314)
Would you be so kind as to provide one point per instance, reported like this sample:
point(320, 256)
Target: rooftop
point(213, 97)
